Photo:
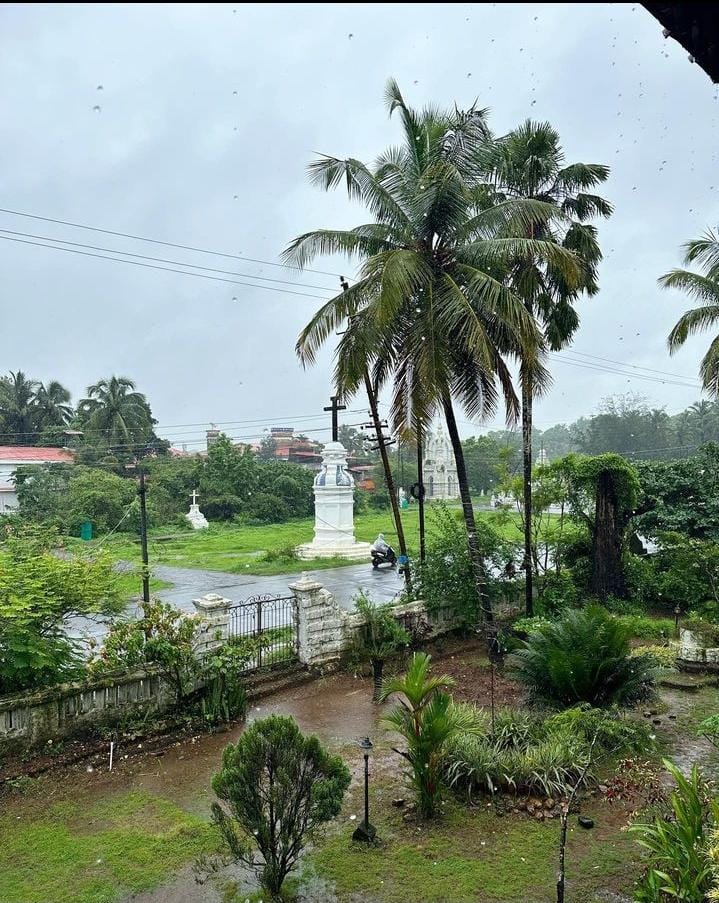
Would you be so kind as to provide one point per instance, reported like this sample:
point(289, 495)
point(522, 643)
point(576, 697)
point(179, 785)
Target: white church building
point(440, 470)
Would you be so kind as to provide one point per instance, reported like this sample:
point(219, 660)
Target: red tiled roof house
point(14, 456)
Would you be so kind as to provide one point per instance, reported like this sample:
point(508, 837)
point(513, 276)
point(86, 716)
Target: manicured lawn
point(470, 855)
point(238, 548)
point(96, 852)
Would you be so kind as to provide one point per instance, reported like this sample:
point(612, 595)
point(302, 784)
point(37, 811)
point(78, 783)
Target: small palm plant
point(585, 657)
point(428, 720)
point(681, 846)
point(379, 638)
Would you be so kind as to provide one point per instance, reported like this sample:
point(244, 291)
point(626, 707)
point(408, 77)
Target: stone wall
point(327, 631)
point(67, 709)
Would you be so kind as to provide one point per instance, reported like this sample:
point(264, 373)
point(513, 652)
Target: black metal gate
point(273, 620)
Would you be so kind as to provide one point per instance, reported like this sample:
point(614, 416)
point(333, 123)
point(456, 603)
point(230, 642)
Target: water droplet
point(235, 93)
point(469, 75)
point(97, 108)
point(234, 297)
point(235, 196)
point(99, 87)
point(350, 35)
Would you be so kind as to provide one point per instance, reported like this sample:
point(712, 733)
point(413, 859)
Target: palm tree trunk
point(389, 479)
point(526, 378)
point(475, 555)
point(377, 672)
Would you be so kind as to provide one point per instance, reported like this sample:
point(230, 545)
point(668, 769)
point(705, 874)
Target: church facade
point(440, 470)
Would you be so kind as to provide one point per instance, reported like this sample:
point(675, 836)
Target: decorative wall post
point(323, 627)
point(213, 629)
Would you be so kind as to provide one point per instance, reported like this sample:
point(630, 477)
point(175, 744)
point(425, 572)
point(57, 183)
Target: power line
point(291, 418)
point(182, 263)
point(631, 375)
point(151, 266)
point(168, 244)
point(633, 366)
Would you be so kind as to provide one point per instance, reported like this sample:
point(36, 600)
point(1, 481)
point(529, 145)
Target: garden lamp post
point(677, 612)
point(365, 831)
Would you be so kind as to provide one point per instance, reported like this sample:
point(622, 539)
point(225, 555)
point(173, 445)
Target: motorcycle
point(384, 556)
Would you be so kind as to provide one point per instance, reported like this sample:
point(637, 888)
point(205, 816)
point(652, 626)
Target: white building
point(438, 465)
point(13, 457)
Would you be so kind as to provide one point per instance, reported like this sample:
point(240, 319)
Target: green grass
point(240, 549)
point(130, 585)
point(100, 852)
point(471, 855)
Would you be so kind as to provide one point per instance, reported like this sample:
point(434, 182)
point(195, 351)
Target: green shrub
point(379, 637)
point(447, 575)
point(645, 628)
point(223, 672)
point(663, 656)
point(585, 657)
point(529, 754)
point(679, 844)
point(279, 787)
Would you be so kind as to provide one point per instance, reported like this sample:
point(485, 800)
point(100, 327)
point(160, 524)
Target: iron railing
point(271, 619)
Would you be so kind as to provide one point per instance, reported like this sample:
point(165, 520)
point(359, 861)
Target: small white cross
point(194, 496)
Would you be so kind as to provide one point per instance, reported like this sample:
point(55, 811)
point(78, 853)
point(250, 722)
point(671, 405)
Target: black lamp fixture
point(365, 831)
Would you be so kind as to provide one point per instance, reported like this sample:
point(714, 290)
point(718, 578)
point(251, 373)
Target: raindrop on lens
point(97, 108)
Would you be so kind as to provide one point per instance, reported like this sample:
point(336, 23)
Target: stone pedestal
point(334, 510)
point(213, 627)
point(197, 519)
point(324, 629)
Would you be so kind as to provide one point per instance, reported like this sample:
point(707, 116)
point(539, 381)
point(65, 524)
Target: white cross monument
point(197, 519)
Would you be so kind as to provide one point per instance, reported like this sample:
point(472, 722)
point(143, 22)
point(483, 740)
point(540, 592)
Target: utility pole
point(142, 492)
point(382, 442)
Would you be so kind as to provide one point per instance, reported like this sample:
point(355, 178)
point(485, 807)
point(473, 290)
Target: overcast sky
point(194, 124)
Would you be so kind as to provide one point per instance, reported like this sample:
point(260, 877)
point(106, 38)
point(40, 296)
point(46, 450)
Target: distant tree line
point(232, 483)
point(112, 423)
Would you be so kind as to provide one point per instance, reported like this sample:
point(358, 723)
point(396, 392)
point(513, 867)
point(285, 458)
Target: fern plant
point(585, 657)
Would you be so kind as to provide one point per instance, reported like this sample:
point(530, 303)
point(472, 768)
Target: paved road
point(344, 583)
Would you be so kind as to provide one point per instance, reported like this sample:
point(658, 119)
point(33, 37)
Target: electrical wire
point(152, 266)
point(167, 244)
point(182, 263)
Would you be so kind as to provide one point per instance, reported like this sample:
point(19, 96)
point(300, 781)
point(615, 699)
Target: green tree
point(603, 492)
point(52, 402)
point(529, 163)
point(703, 288)
point(100, 497)
point(430, 311)
point(39, 593)
point(427, 720)
point(228, 480)
point(681, 496)
point(115, 413)
point(18, 410)
point(279, 787)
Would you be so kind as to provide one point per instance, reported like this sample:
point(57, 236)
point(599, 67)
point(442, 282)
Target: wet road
point(381, 585)
point(344, 583)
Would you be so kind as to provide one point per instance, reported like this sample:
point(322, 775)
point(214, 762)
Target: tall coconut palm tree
point(529, 163)
point(430, 312)
point(18, 411)
point(116, 412)
point(52, 402)
point(703, 289)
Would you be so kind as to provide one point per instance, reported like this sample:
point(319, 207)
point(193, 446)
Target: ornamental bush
point(584, 657)
point(278, 787)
